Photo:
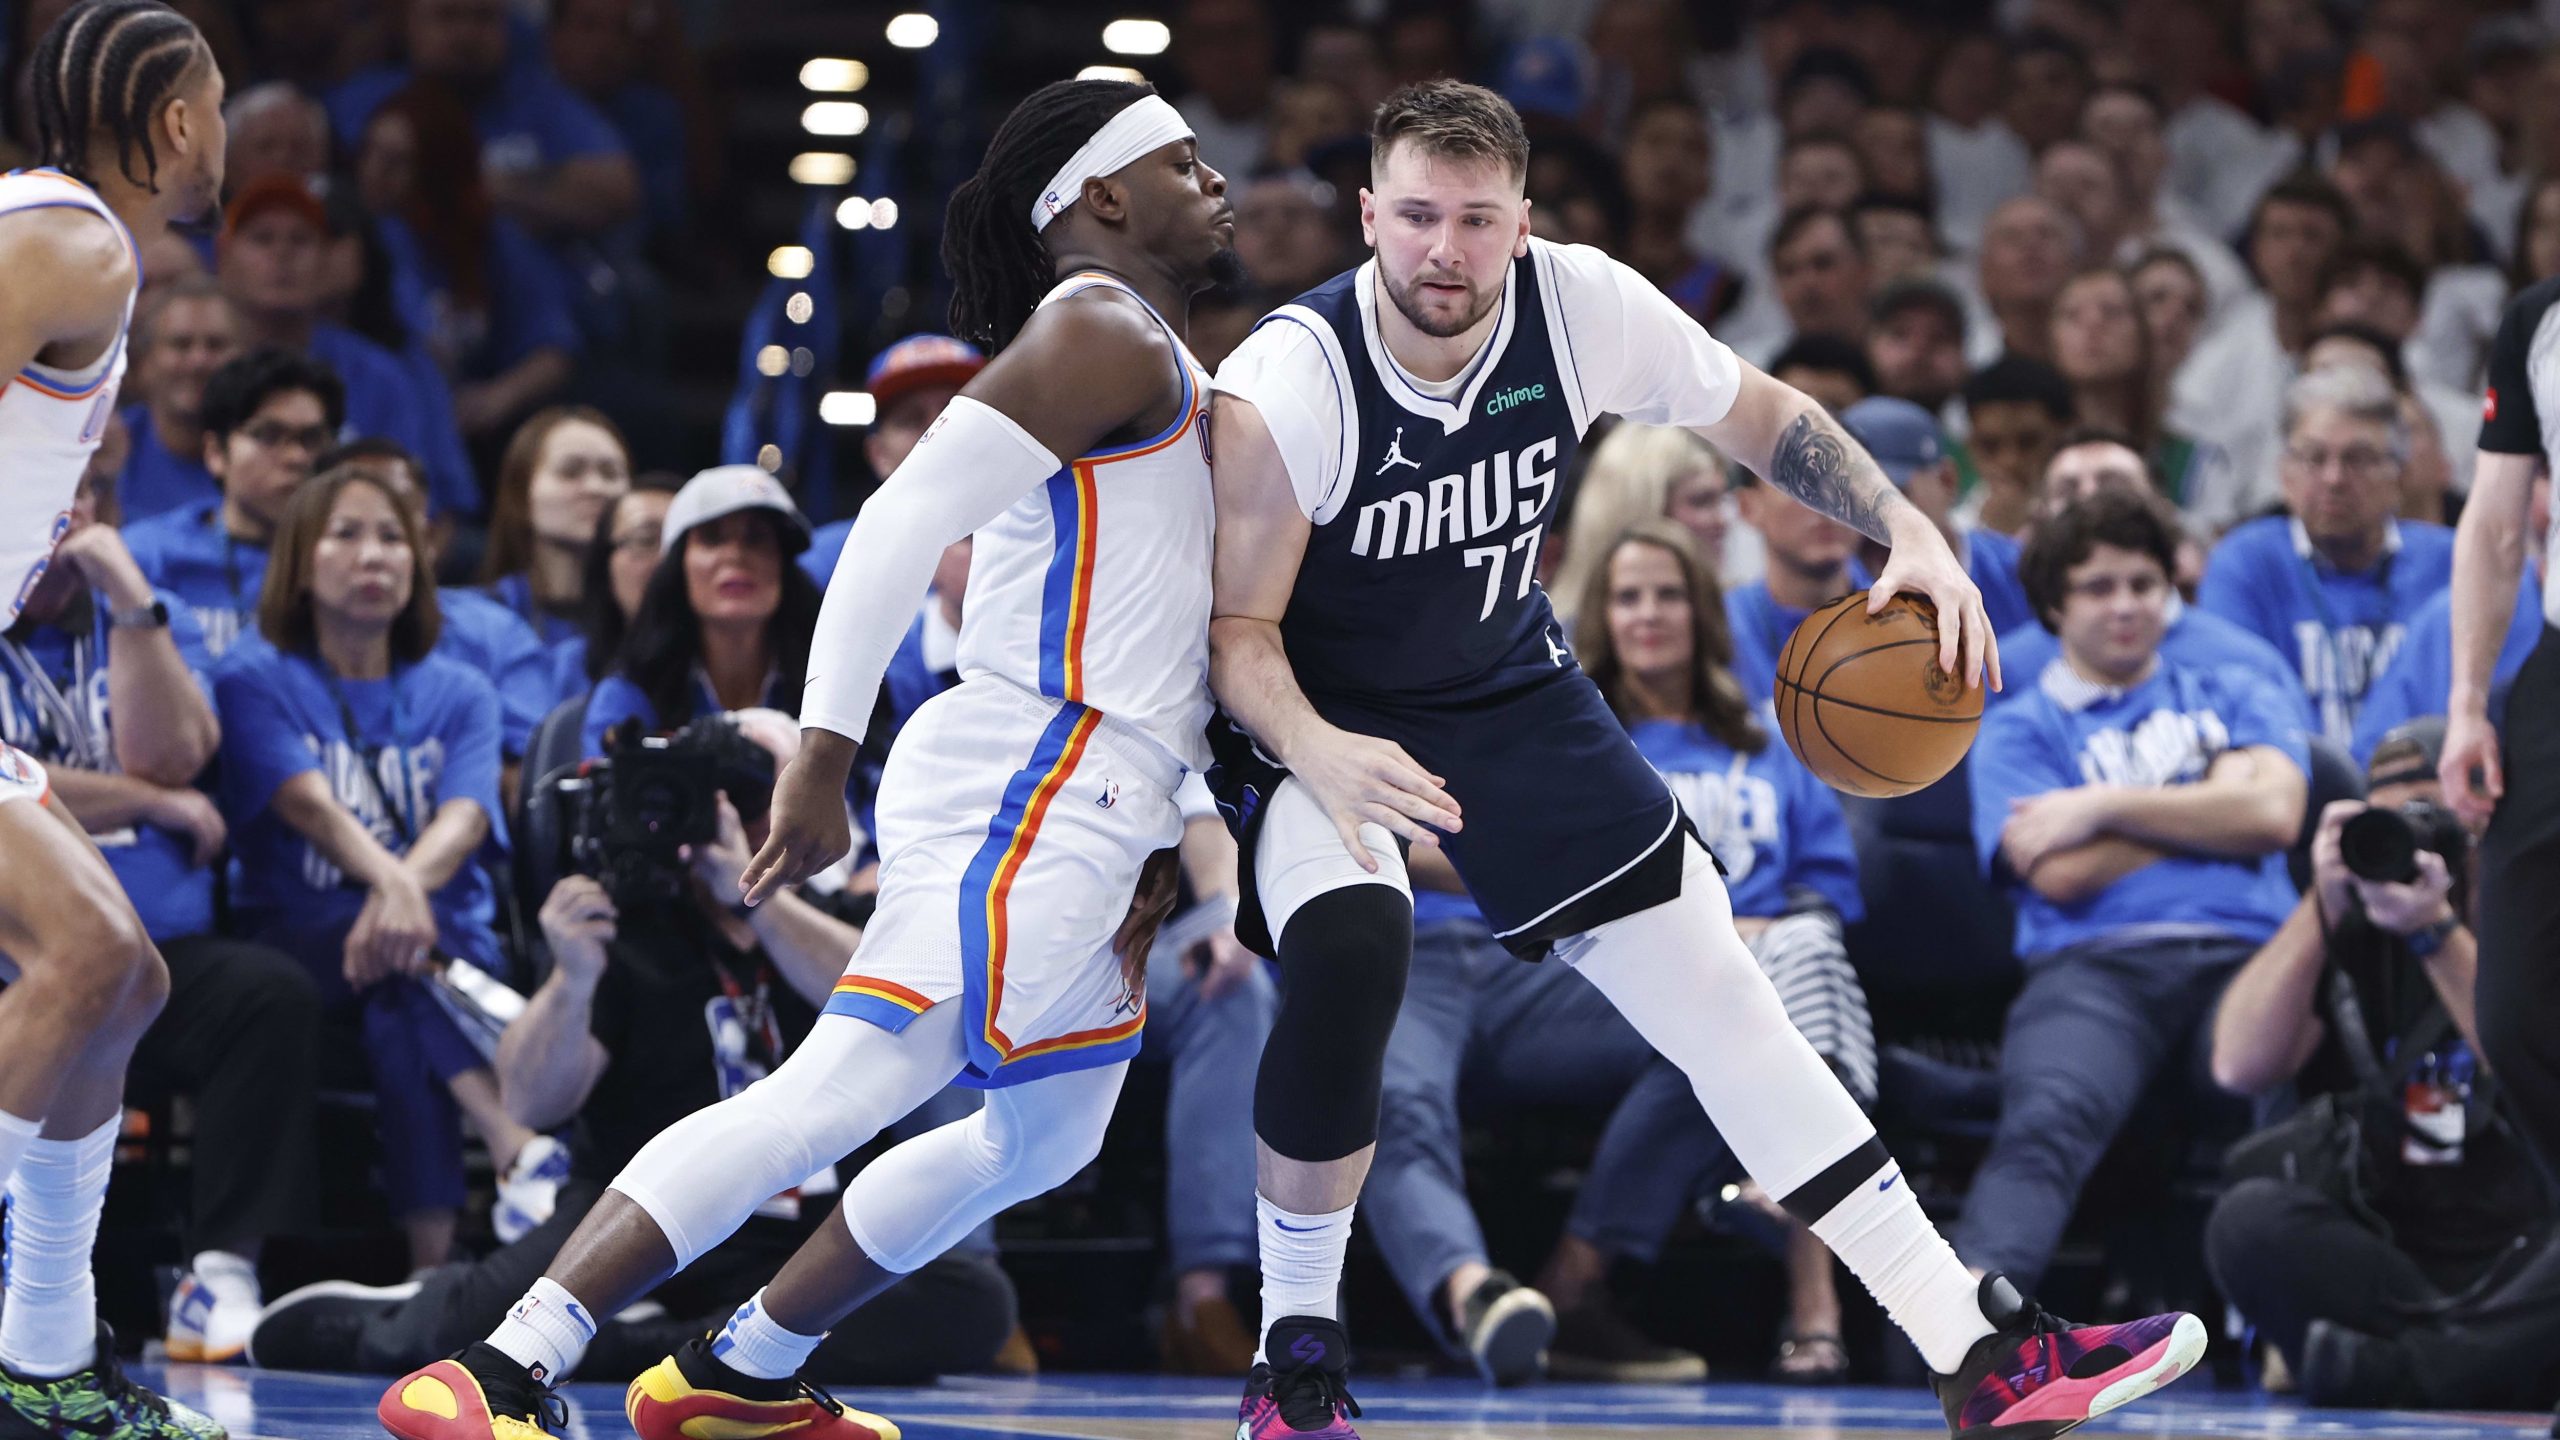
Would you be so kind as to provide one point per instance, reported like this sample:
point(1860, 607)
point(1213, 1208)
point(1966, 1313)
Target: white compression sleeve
point(969, 466)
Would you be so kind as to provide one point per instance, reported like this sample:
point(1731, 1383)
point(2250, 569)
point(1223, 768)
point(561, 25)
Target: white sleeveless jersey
point(50, 419)
point(1094, 588)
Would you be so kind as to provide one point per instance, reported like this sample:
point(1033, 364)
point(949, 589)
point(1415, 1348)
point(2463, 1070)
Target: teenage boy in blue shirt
point(2139, 809)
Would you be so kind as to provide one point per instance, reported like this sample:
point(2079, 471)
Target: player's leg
point(1345, 940)
point(1687, 982)
point(684, 1192)
point(904, 1209)
point(87, 984)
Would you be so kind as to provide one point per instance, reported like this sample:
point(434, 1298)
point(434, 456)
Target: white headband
point(1145, 125)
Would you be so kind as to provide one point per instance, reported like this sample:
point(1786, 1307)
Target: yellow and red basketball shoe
point(479, 1394)
point(693, 1395)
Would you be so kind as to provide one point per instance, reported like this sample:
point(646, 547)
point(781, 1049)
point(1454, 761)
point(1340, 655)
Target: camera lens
point(2380, 845)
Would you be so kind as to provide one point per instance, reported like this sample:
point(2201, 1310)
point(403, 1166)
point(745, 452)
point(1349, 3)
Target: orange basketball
point(1863, 703)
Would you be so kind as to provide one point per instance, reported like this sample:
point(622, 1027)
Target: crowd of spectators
point(2176, 317)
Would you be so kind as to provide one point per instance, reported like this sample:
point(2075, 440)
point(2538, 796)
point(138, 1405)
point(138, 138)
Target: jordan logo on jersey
point(1395, 455)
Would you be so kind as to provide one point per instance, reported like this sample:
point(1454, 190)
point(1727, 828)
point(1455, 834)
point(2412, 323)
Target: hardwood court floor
point(266, 1405)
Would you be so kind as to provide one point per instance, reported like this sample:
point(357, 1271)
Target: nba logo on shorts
point(1110, 795)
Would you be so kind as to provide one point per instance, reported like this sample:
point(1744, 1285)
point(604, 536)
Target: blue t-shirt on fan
point(617, 698)
point(188, 553)
point(2337, 630)
point(53, 706)
point(486, 636)
point(2420, 678)
point(155, 481)
point(2065, 732)
point(561, 638)
point(2197, 639)
point(1991, 558)
point(399, 749)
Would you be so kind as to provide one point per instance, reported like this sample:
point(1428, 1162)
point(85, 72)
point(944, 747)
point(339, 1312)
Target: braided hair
point(111, 65)
point(999, 265)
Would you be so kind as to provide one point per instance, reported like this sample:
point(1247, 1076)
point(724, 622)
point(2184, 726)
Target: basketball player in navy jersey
point(128, 109)
point(1387, 452)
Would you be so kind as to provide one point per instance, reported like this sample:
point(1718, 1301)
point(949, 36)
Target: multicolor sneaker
point(479, 1394)
point(694, 1393)
point(2038, 1375)
point(1304, 1393)
point(97, 1402)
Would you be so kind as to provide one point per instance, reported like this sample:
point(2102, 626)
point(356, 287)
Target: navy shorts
point(1567, 825)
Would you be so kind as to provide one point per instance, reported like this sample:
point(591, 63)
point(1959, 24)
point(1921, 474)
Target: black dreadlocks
point(110, 63)
point(998, 264)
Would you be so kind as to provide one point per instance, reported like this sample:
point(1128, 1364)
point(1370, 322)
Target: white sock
point(752, 1344)
point(546, 1333)
point(1882, 1235)
point(16, 1134)
point(1301, 1263)
point(49, 1318)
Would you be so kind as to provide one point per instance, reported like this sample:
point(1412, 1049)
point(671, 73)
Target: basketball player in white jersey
point(1017, 815)
point(128, 110)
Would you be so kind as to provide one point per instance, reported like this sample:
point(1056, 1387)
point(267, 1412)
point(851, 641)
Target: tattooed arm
point(1792, 443)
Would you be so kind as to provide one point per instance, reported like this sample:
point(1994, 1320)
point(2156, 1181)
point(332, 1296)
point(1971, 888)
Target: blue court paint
point(263, 1405)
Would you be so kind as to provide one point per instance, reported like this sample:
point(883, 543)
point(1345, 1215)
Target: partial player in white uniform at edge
point(1024, 819)
point(128, 109)
point(1387, 453)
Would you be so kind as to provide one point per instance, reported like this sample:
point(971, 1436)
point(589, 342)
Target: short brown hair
point(1454, 119)
point(2067, 538)
point(284, 605)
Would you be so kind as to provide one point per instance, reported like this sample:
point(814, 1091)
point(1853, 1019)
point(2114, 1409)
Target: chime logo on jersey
point(1457, 508)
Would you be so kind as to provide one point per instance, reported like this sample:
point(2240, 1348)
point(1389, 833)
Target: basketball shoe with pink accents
point(2038, 1375)
point(1300, 1393)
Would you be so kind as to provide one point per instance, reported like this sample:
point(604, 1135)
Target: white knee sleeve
point(921, 1197)
point(704, 1175)
point(1685, 980)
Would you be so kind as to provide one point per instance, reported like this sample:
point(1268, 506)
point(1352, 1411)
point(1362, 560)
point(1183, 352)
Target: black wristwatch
point(154, 616)
point(2426, 940)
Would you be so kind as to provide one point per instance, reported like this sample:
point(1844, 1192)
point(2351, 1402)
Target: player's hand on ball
point(810, 829)
point(1363, 780)
point(1921, 564)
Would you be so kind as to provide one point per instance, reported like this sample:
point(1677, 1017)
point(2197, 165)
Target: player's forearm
point(165, 728)
point(2488, 563)
point(2264, 1028)
point(1796, 446)
point(1249, 673)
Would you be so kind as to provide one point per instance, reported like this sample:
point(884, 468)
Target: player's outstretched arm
point(1082, 371)
point(1781, 433)
point(1262, 538)
point(68, 276)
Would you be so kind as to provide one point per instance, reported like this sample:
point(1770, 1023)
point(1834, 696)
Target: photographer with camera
point(664, 998)
point(2398, 1183)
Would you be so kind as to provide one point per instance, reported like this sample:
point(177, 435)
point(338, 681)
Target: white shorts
point(1012, 830)
point(22, 776)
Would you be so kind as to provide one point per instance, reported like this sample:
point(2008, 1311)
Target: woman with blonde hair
point(1647, 472)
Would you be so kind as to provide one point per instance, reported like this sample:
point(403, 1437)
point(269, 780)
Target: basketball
point(1862, 702)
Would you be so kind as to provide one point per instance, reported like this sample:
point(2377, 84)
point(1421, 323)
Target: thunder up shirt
point(2167, 730)
point(188, 553)
point(2337, 630)
point(53, 705)
point(392, 751)
point(2197, 639)
point(155, 481)
point(2420, 680)
point(1429, 509)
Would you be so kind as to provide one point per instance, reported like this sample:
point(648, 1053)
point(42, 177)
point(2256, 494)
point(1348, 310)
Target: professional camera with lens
point(631, 813)
point(2382, 845)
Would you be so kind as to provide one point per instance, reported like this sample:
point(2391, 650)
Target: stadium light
point(913, 30)
point(772, 360)
point(799, 307)
point(884, 214)
point(1111, 72)
point(769, 459)
point(847, 407)
point(790, 262)
point(821, 167)
point(834, 77)
point(854, 213)
point(835, 117)
point(1136, 37)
